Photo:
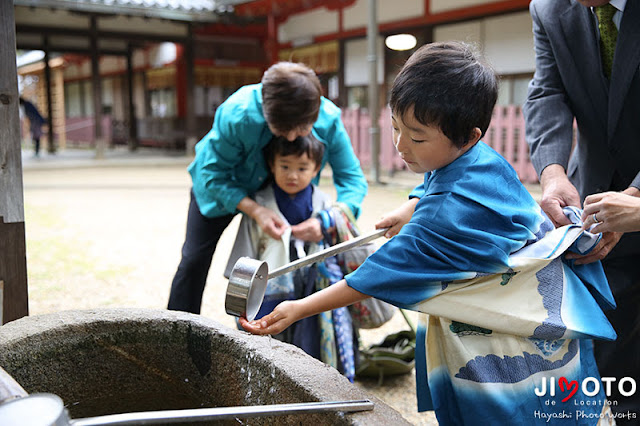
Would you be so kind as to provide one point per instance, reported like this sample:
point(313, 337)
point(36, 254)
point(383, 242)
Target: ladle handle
point(328, 252)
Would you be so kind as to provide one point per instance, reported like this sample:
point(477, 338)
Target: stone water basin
point(110, 361)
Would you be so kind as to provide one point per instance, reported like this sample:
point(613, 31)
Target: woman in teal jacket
point(229, 167)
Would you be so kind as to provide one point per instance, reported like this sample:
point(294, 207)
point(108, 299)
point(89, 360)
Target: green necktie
point(608, 35)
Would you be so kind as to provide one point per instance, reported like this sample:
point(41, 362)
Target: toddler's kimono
point(252, 241)
point(507, 314)
point(328, 336)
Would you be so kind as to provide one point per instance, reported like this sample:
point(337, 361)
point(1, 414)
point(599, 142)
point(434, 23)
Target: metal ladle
point(248, 279)
point(47, 409)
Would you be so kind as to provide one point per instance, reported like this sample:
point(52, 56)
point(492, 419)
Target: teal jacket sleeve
point(229, 164)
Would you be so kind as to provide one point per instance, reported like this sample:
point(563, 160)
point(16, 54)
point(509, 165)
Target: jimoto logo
point(590, 386)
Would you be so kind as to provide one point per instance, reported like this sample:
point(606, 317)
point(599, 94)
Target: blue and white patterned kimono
point(501, 309)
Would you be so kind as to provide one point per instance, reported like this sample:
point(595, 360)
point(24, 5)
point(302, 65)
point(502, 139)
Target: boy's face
point(293, 173)
point(424, 148)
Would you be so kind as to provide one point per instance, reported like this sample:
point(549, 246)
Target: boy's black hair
point(450, 87)
point(309, 145)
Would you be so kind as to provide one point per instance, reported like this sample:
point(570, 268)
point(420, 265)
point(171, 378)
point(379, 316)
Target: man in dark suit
point(587, 68)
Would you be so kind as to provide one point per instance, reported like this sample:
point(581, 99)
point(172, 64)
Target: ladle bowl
point(249, 277)
point(247, 285)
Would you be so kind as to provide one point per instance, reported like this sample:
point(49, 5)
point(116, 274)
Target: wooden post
point(271, 43)
point(96, 83)
point(13, 259)
point(374, 107)
point(189, 58)
point(131, 111)
point(47, 81)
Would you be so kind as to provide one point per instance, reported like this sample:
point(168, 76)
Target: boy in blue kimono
point(506, 322)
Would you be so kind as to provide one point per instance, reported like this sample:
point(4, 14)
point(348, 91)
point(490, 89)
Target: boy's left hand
point(309, 230)
point(276, 322)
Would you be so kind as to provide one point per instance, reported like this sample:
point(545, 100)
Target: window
point(163, 103)
point(513, 89)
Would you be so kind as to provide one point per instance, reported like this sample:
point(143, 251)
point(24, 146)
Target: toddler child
point(504, 318)
point(330, 336)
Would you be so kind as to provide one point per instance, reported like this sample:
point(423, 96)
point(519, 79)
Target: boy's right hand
point(396, 219)
point(276, 322)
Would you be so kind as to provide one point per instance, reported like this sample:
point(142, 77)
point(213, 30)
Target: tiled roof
point(188, 10)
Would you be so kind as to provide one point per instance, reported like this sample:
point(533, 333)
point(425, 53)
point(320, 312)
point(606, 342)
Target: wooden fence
point(505, 135)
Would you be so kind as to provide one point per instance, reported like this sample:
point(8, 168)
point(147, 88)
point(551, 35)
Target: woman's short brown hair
point(290, 96)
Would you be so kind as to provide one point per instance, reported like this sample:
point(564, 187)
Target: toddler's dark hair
point(450, 87)
point(301, 145)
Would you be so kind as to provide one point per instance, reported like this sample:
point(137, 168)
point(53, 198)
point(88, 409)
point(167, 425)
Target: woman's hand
point(268, 220)
point(309, 230)
point(614, 211)
point(285, 314)
point(396, 219)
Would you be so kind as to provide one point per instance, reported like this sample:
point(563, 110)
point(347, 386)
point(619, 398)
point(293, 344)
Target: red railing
point(505, 135)
point(80, 130)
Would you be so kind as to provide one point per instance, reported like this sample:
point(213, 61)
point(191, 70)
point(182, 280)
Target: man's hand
point(557, 192)
point(396, 219)
point(615, 211)
point(309, 230)
point(599, 252)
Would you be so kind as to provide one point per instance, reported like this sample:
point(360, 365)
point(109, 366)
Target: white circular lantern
point(400, 42)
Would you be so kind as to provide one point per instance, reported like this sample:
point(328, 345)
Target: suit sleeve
point(548, 116)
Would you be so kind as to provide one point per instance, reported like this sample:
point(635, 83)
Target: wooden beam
point(83, 33)
point(67, 49)
point(13, 264)
point(428, 19)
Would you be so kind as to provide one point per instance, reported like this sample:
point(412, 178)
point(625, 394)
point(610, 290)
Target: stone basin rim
point(320, 381)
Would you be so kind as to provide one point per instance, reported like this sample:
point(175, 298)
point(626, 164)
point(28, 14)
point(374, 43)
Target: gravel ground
point(111, 237)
